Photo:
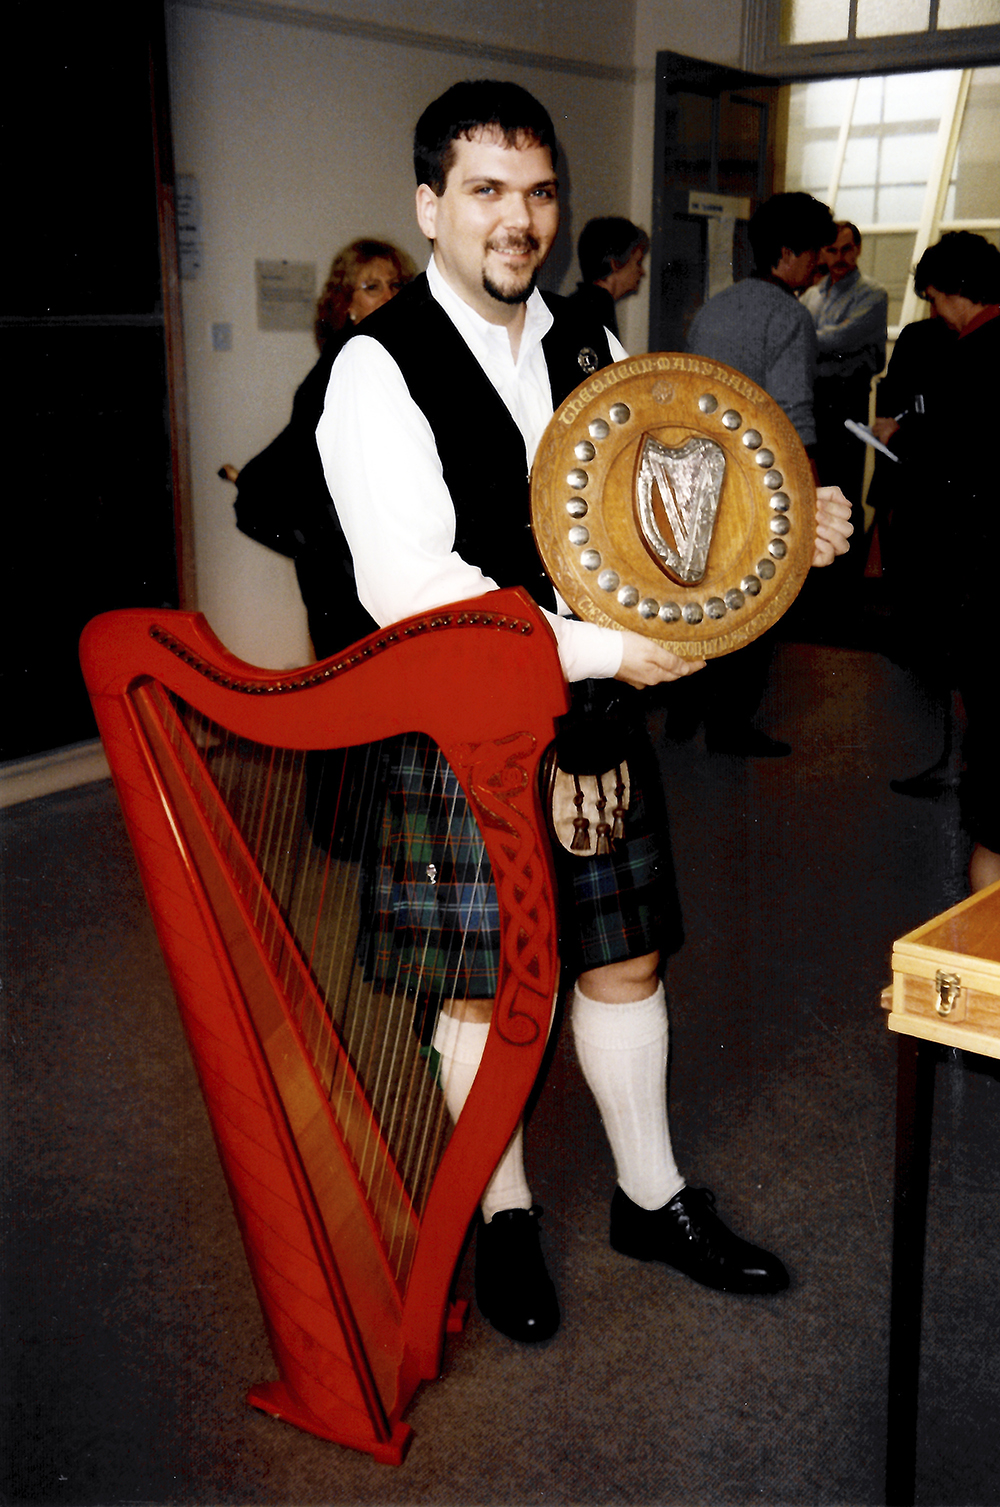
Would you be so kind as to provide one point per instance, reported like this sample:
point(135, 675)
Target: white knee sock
point(460, 1044)
point(622, 1050)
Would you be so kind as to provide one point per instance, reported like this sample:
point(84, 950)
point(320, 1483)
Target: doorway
point(905, 156)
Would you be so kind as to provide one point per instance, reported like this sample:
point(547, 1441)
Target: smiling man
point(432, 419)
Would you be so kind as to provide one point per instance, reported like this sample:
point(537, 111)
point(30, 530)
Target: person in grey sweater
point(759, 327)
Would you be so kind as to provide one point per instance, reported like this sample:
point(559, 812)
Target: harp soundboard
point(256, 804)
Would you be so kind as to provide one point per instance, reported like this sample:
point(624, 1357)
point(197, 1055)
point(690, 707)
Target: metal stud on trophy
point(672, 496)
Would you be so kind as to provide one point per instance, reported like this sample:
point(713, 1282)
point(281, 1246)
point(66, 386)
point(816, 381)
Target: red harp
point(255, 803)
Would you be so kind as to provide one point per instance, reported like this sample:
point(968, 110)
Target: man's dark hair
point(797, 221)
point(963, 263)
point(847, 225)
point(606, 244)
point(476, 105)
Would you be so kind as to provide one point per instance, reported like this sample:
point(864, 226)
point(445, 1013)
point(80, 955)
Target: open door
point(714, 164)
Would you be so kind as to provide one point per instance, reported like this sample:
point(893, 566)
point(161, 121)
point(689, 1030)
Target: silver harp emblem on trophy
point(677, 498)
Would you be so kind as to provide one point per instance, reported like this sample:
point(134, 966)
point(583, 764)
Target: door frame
point(695, 76)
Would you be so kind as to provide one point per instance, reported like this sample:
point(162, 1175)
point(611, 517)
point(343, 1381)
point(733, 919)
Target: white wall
point(299, 135)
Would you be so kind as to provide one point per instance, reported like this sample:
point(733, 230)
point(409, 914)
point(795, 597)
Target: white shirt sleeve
point(384, 473)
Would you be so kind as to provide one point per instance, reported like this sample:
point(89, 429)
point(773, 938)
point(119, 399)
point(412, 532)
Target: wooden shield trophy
point(672, 496)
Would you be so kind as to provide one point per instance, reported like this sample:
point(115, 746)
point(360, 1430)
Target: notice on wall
point(721, 211)
point(188, 212)
point(286, 295)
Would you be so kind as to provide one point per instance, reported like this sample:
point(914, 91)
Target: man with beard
point(432, 418)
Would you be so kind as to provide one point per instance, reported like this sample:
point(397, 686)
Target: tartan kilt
point(431, 920)
point(432, 923)
point(623, 904)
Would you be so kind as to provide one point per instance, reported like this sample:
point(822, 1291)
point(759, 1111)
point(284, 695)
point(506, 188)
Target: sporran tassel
point(619, 808)
point(581, 826)
point(603, 829)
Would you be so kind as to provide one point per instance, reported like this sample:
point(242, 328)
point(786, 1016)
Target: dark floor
point(132, 1331)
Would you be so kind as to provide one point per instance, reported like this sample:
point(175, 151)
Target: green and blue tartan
point(623, 904)
point(433, 922)
point(432, 905)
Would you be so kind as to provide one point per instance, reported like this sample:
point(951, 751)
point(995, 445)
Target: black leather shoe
point(688, 1235)
point(513, 1289)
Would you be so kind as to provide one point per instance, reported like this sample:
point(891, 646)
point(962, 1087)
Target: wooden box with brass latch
point(946, 977)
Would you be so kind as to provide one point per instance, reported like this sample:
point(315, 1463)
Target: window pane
point(906, 158)
point(822, 104)
point(814, 20)
point(917, 96)
point(883, 18)
point(860, 162)
point(857, 204)
point(903, 203)
point(968, 13)
point(811, 174)
point(975, 193)
point(888, 259)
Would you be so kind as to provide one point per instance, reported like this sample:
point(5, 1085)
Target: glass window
point(967, 13)
point(915, 96)
point(814, 20)
point(895, 128)
point(884, 18)
point(975, 182)
point(857, 204)
point(888, 258)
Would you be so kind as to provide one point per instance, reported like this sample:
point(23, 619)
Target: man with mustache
point(849, 311)
point(432, 418)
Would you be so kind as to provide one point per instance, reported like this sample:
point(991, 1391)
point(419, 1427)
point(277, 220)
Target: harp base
point(274, 1397)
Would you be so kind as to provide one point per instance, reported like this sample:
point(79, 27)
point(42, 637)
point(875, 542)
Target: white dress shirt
point(850, 319)
point(383, 470)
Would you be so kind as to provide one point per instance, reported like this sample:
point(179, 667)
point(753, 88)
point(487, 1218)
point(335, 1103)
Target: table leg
point(914, 1113)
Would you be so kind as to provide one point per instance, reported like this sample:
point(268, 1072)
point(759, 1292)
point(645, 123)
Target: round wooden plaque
point(672, 496)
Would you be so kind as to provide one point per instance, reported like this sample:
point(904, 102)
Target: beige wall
point(299, 132)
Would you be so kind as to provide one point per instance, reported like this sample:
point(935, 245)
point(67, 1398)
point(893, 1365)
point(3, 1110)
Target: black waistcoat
point(480, 447)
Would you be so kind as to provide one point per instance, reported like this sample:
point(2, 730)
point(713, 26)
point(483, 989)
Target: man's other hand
point(646, 663)
point(833, 525)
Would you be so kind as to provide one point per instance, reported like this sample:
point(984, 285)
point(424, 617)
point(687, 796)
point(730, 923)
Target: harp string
point(307, 901)
point(439, 777)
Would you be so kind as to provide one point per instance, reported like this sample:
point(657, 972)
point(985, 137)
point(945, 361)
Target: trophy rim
point(585, 513)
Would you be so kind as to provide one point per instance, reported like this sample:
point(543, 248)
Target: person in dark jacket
point(281, 495)
point(956, 458)
point(611, 251)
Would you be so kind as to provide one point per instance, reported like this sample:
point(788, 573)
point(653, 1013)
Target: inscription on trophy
point(677, 495)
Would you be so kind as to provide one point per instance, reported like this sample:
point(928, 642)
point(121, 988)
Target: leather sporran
point(586, 773)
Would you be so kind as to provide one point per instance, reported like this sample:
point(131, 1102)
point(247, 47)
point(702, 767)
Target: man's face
point(494, 224)
point(841, 256)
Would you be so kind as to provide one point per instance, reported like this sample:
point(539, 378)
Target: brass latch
point(949, 986)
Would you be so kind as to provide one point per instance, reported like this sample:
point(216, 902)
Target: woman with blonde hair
point(362, 277)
